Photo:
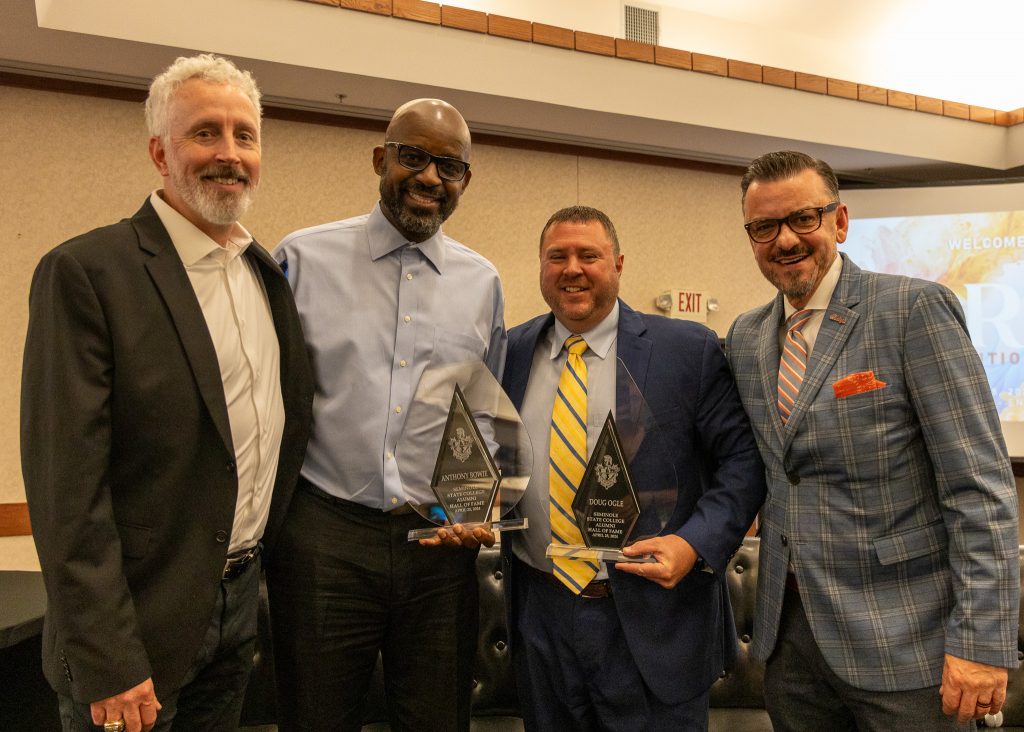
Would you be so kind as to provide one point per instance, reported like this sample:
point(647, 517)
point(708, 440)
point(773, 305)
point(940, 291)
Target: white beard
point(216, 207)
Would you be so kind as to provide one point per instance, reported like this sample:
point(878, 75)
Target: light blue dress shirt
point(601, 358)
point(377, 310)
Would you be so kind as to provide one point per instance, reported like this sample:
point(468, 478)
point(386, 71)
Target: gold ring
point(117, 726)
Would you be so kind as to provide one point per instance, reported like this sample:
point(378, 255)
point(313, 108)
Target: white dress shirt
point(237, 314)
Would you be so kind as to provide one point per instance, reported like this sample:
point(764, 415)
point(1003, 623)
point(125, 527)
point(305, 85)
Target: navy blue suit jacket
point(681, 639)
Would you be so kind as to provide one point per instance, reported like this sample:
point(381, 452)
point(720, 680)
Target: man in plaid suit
point(888, 588)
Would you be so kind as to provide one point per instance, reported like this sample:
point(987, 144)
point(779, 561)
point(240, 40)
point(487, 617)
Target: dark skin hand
point(458, 535)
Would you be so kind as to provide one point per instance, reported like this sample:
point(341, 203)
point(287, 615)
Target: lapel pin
point(838, 318)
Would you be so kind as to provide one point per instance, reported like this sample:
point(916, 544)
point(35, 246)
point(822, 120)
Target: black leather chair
point(737, 700)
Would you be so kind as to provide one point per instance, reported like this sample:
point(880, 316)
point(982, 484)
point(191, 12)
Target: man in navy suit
point(888, 583)
point(639, 646)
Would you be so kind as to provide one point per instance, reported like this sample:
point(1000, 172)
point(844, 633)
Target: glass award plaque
point(465, 457)
point(629, 487)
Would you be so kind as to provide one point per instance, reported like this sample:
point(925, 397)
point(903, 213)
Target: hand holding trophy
point(465, 461)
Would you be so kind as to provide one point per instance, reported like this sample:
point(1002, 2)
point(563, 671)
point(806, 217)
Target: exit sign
point(689, 305)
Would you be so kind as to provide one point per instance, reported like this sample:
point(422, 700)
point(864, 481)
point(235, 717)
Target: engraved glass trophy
point(465, 457)
point(629, 488)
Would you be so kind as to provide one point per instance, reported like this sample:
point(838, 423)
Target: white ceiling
point(950, 49)
point(304, 55)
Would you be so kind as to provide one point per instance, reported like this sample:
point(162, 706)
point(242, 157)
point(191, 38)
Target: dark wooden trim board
point(14, 520)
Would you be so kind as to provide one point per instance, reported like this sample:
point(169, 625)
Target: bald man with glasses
point(382, 297)
point(888, 584)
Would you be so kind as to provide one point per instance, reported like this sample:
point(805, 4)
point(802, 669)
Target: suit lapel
point(633, 349)
point(172, 281)
point(768, 362)
point(274, 284)
point(633, 414)
point(836, 327)
point(520, 359)
point(278, 292)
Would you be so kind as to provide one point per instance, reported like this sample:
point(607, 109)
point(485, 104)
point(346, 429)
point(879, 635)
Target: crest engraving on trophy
point(461, 445)
point(465, 479)
point(606, 504)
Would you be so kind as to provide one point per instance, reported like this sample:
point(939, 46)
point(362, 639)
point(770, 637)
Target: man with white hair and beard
point(382, 297)
point(166, 395)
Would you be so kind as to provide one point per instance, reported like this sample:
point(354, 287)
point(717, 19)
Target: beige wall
point(71, 163)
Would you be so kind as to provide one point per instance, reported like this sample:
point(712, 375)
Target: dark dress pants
point(345, 586)
point(803, 693)
point(211, 694)
point(574, 671)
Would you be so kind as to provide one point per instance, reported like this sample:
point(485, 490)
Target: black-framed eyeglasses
point(804, 221)
point(417, 159)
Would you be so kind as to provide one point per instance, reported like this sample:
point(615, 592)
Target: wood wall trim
point(14, 520)
point(753, 73)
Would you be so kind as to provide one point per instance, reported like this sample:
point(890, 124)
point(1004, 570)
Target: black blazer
point(127, 456)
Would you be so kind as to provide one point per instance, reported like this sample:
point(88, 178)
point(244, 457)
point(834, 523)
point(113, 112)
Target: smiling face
point(210, 157)
point(579, 273)
point(795, 263)
point(417, 203)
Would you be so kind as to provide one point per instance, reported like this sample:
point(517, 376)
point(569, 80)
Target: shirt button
point(390, 455)
point(402, 363)
point(408, 318)
point(394, 500)
point(398, 409)
point(409, 276)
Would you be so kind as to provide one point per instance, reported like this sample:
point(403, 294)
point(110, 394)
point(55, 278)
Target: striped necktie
point(568, 462)
point(793, 363)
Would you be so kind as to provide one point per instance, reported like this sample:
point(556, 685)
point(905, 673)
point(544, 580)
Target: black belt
point(238, 562)
point(307, 487)
point(595, 590)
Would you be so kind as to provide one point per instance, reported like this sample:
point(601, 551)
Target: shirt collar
point(385, 238)
point(192, 244)
point(823, 295)
point(599, 338)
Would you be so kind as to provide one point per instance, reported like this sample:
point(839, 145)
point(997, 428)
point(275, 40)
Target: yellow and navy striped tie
point(793, 363)
point(568, 462)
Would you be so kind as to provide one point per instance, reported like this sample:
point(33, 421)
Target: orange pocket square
point(856, 384)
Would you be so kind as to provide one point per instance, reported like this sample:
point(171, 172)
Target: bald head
point(413, 195)
point(430, 116)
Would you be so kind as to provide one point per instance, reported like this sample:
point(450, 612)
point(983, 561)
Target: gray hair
point(785, 164)
point(204, 66)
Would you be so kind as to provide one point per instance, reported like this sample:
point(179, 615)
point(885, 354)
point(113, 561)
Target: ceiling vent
point(640, 23)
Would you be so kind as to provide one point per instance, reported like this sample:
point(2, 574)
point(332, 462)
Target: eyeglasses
point(417, 159)
point(804, 221)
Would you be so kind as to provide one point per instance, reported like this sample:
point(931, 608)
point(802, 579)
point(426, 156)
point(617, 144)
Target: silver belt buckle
point(241, 559)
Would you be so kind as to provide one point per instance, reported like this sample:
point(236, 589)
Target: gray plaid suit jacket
point(897, 506)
